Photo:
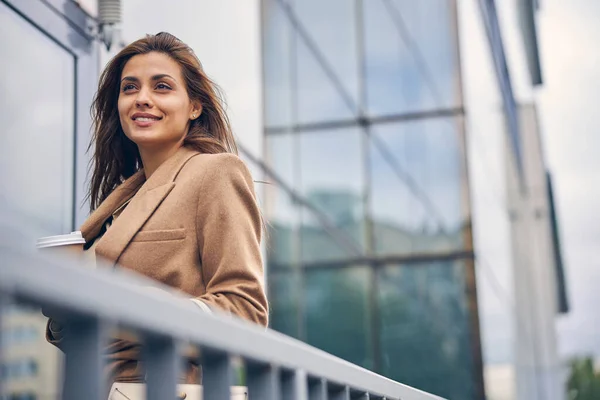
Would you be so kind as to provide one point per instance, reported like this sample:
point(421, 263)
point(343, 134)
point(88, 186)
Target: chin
point(152, 140)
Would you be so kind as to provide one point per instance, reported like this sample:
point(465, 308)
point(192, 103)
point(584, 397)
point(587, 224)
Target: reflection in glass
point(332, 176)
point(277, 36)
point(318, 98)
point(37, 112)
point(416, 201)
point(331, 26)
point(411, 63)
point(283, 215)
point(338, 312)
point(284, 290)
point(425, 327)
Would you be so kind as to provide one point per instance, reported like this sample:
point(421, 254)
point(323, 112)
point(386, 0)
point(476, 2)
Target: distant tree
point(584, 382)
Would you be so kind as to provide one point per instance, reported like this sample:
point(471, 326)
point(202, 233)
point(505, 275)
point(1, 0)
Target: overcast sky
point(569, 33)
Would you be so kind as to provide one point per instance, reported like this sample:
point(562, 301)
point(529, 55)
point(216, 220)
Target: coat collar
point(145, 195)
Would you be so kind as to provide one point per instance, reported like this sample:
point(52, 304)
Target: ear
point(196, 110)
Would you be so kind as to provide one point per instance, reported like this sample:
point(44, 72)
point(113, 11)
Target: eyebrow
point(154, 78)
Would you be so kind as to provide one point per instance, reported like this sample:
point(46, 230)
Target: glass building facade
point(370, 252)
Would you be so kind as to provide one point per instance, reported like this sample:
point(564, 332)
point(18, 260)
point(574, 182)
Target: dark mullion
point(373, 316)
point(367, 120)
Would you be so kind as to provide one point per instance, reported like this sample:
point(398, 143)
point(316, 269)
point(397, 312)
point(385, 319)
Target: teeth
point(145, 119)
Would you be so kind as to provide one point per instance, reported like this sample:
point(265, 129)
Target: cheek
point(123, 109)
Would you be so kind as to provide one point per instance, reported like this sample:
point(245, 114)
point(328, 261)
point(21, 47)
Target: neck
point(153, 158)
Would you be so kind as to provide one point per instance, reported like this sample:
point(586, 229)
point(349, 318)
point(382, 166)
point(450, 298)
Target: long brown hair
point(116, 157)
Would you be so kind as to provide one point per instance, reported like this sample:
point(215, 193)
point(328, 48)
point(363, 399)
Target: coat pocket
point(159, 235)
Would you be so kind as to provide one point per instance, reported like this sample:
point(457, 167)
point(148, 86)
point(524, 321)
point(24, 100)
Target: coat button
point(182, 395)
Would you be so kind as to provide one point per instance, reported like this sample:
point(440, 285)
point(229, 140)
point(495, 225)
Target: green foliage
point(584, 381)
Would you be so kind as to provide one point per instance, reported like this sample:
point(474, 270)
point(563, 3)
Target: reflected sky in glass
point(37, 111)
point(411, 63)
point(416, 186)
point(333, 181)
point(277, 34)
point(331, 25)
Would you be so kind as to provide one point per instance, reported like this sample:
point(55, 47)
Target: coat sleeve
point(228, 225)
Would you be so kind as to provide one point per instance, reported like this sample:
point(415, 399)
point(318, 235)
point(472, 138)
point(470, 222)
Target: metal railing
point(94, 301)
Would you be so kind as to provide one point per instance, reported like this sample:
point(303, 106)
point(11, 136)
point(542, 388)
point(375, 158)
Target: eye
point(163, 86)
point(128, 87)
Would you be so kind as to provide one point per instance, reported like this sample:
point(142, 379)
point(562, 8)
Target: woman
point(169, 197)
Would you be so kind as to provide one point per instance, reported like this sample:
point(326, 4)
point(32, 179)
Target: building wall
point(370, 248)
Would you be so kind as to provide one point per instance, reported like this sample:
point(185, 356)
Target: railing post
point(163, 366)
point(83, 347)
point(340, 393)
point(317, 390)
point(217, 375)
point(359, 395)
point(294, 385)
point(263, 382)
point(4, 305)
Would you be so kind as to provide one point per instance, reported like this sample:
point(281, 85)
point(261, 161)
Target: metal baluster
point(294, 385)
point(4, 306)
point(317, 390)
point(263, 382)
point(359, 395)
point(83, 347)
point(340, 393)
point(163, 367)
point(217, 375)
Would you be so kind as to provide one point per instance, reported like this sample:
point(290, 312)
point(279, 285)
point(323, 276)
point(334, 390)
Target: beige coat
point(193, 225)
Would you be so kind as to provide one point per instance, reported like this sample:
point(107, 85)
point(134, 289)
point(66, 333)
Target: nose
point(143, 99)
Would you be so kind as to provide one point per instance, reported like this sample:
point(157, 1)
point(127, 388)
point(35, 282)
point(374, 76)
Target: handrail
point(94, 300)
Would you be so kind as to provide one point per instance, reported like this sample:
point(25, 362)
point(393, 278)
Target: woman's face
point(154, 107)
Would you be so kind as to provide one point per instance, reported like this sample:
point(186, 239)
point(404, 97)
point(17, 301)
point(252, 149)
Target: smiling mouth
point(145, 119)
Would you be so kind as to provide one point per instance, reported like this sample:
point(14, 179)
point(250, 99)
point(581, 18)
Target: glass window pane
point(331, 27)
point(332, 176)
point(338, 312)
point(37, 110)
point(284, 290)
point(411, 62)
point(416, 183)
point(425, 327)
point(282, 212)
point(277, 36)
point(318, 97)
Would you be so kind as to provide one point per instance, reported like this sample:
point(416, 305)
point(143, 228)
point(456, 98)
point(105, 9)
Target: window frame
point(65, 23)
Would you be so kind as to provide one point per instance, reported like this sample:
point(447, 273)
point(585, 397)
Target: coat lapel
point(142, 205)
point(93, 225)
point(124, 228)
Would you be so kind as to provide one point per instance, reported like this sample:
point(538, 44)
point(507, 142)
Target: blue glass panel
point(338, 313)
point(277, 42)
point(333, 181)
point(417, 187)
point(37, 141)
point(425, 330)
point(284, 290)
point(331, 26)
point(411, 56)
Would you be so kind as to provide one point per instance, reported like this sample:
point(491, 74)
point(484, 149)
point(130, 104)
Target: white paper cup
point(70, 245)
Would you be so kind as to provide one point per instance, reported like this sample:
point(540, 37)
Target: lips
point(145, 117)
point(144, 120)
